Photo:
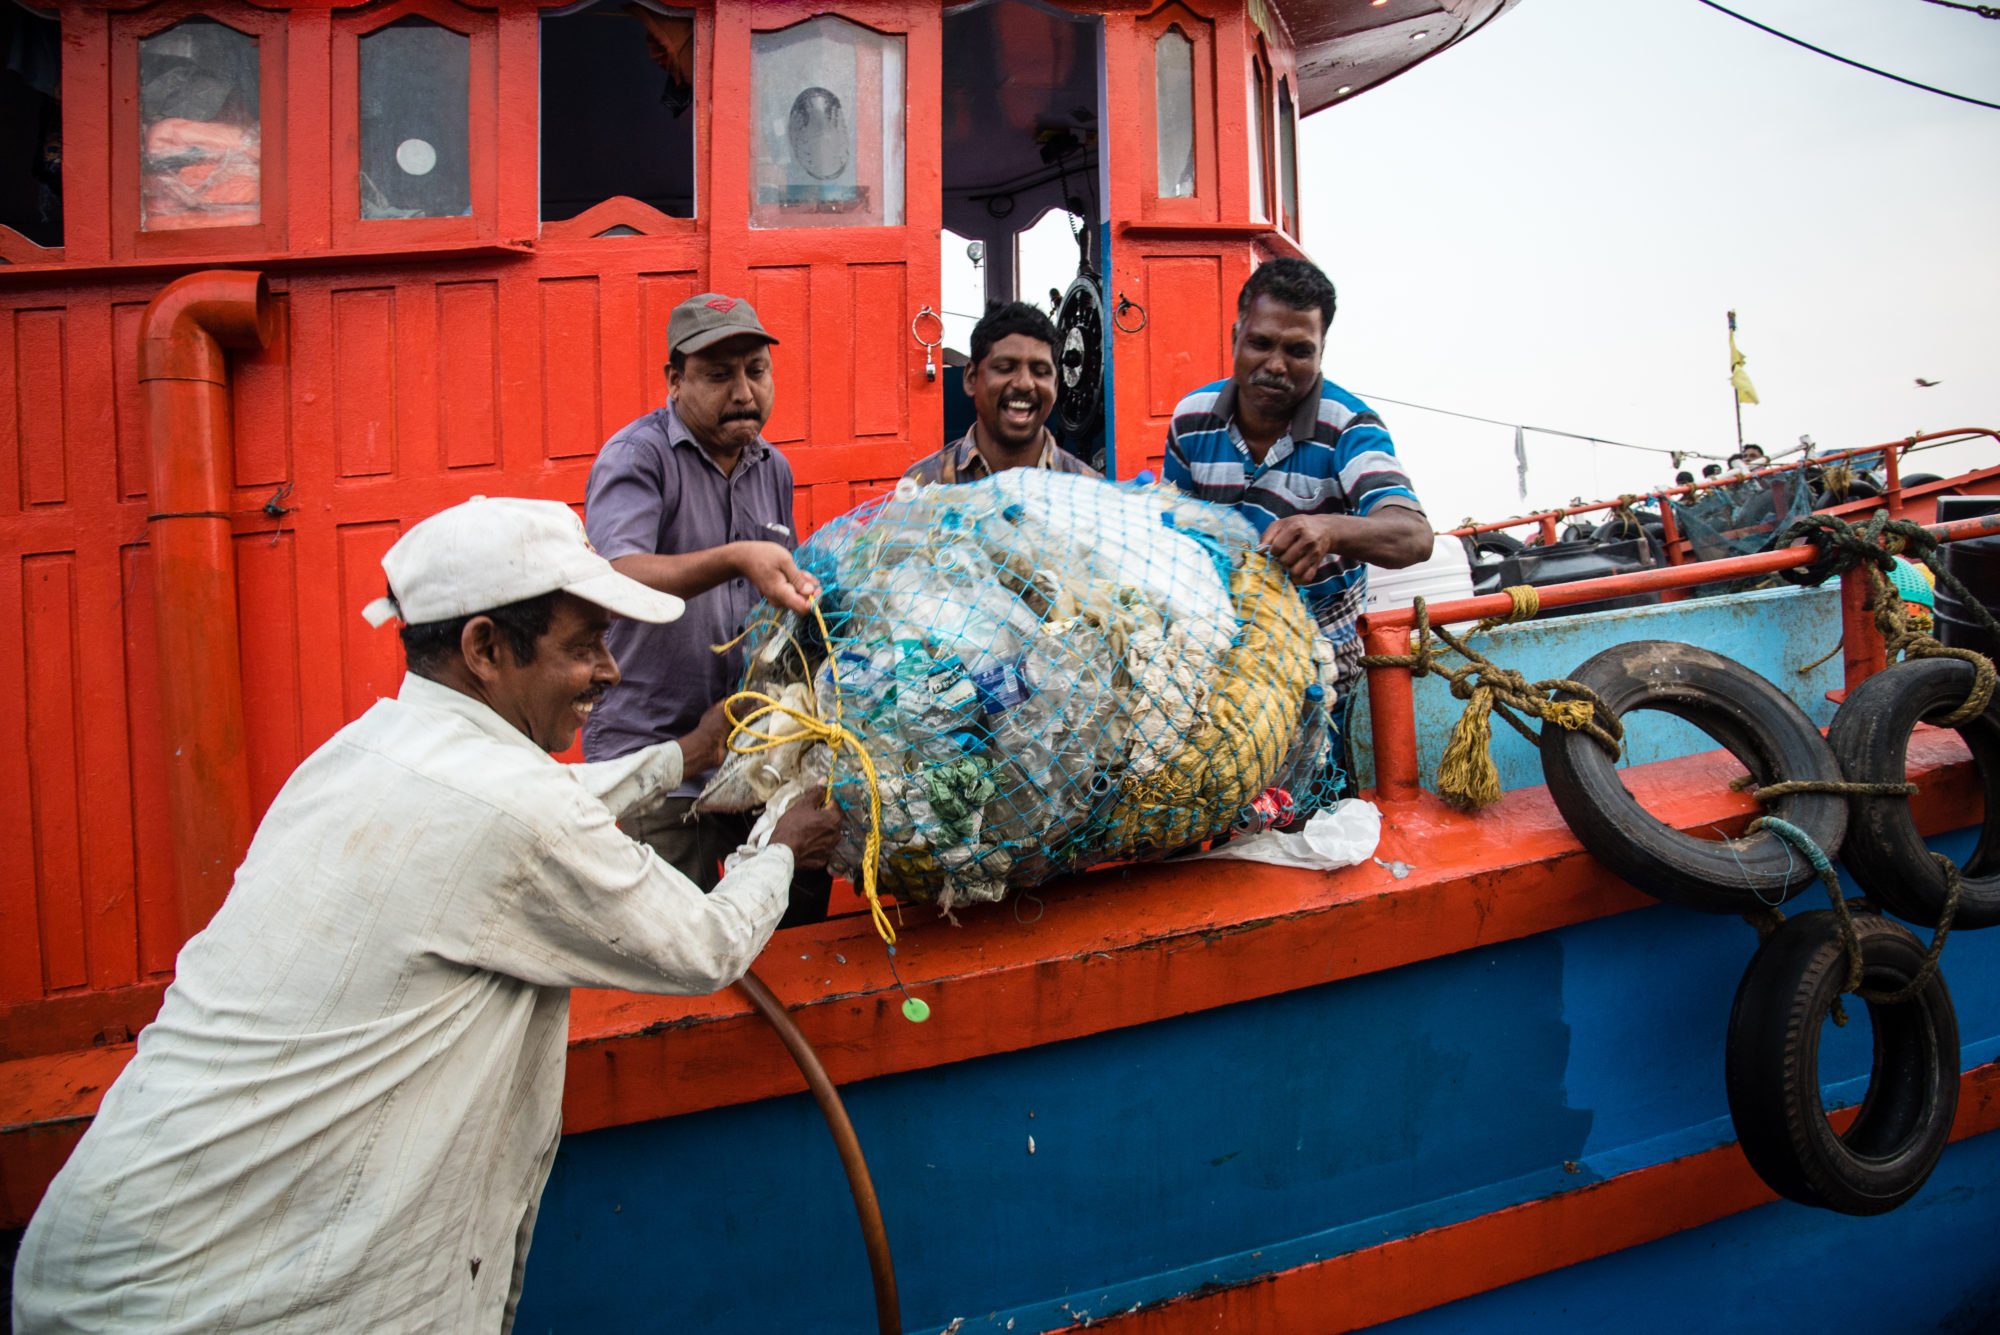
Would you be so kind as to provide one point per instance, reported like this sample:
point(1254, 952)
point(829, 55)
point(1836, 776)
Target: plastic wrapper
point(1048, 672)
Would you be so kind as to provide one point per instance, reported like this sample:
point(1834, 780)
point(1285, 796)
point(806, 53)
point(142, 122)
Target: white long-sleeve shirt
point(344, 1115)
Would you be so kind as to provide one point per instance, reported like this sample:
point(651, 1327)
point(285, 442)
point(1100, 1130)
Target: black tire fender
point(1749, 716)
point(1494, 546)
point(1772, 1067)
point(1884, 853)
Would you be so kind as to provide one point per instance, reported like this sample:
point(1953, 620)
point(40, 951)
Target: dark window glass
point(617, 108)
point(415, 103)
point(200, 154)
point(31, 125)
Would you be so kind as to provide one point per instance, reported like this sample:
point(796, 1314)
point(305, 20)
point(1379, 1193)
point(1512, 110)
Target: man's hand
point(770, 568)
point(704, 748)
point(1394, 536)
point(1300, 542)
point(809, 830)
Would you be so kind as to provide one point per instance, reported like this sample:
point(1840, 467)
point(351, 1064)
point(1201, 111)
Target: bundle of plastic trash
point(1047, 672)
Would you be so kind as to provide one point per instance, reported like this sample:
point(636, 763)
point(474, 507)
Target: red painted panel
point(468, 359)
point(619, 354)
point(261, 390)
point(48, 589)
point(39, 376)
point(10, 457)
point(90, 424)
point(782, 297)
point(128, 424)
point(659, 293)
point(20, 941)
point(1184, 328)
point(268, 598)
point(418, 405)
point(152, 828)
point(572, 408)
point(364, 386)
point(104, 784)
point(881, 386)
point(371, 657)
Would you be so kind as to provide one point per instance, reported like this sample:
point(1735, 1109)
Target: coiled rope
point(1875, 544)
point(1467, 777)
point(811, 727)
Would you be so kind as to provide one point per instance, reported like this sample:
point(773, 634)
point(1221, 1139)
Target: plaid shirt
point(961, 461)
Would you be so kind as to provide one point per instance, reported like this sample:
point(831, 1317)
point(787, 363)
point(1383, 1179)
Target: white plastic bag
point(1339, 836)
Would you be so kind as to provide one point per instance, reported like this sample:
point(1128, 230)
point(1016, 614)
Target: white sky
point(1547, 224)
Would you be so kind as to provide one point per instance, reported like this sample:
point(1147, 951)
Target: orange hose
point(874, 1233)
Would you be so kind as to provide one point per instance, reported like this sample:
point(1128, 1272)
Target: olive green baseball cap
point(709, 317)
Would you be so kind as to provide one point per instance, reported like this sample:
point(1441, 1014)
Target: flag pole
point(1735, 397)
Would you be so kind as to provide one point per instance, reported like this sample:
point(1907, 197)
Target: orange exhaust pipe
point(184, 380)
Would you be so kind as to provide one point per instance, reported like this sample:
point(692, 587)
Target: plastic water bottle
point(1307, 757)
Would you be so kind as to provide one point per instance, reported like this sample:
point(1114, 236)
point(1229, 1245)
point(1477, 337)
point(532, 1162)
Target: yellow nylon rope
point(835, 735)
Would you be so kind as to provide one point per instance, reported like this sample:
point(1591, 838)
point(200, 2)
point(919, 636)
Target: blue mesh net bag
point(1030, 674)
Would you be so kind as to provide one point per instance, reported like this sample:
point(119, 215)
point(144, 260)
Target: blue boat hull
point(1215, 1148)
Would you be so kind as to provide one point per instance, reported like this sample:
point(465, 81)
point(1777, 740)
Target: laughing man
point(1012, 381)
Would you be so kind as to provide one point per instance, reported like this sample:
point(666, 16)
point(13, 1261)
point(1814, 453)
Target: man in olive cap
point(691, 500)
point(344, 1115)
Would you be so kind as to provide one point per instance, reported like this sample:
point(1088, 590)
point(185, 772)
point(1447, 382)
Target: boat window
point(828, 142)
point(618, 114)
point(200, 160)
point(31, 124)
point(415, 109)
point(1260, 139)
point(1288, 159)
point(1173, 92)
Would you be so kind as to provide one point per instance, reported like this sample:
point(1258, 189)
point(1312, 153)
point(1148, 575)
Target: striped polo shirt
point(1335, 459)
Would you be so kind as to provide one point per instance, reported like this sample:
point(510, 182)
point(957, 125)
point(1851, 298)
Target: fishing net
point(1739, 516)
point(1045, 672)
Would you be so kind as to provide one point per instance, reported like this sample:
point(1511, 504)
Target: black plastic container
point(1567, 562)
point(1975, 563)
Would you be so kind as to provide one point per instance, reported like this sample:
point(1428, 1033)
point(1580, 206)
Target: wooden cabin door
point(826, 207)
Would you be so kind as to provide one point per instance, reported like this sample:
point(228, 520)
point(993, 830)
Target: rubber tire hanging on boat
point(1885, 854)
point(1763, 729)
point(1773, 1071)
point(1491, 548)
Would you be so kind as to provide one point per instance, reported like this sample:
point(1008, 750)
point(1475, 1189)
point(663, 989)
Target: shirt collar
point(427, 694)
point(1305, 420)
point(678, 434)
point(966, 464)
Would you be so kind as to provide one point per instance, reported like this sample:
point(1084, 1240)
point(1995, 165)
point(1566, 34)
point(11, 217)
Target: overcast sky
point(1547, 224)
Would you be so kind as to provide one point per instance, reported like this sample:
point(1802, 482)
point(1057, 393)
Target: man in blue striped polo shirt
point(1305, 461)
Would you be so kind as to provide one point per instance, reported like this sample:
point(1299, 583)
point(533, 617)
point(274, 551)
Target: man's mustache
point(742, 415)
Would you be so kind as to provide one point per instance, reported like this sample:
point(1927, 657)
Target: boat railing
point(1391, 689)
point(1679, 549)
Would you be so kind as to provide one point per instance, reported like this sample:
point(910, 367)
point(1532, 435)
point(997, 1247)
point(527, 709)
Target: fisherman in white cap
point(345, 1113)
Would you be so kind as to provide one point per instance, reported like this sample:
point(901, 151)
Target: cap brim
point(708, 338)
point(627, 597)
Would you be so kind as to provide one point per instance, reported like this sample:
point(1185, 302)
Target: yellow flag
point(1745, 391)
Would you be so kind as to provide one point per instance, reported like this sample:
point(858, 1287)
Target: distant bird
point(1925, 384)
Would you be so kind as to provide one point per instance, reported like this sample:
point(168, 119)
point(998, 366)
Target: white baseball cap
point(495, 550)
